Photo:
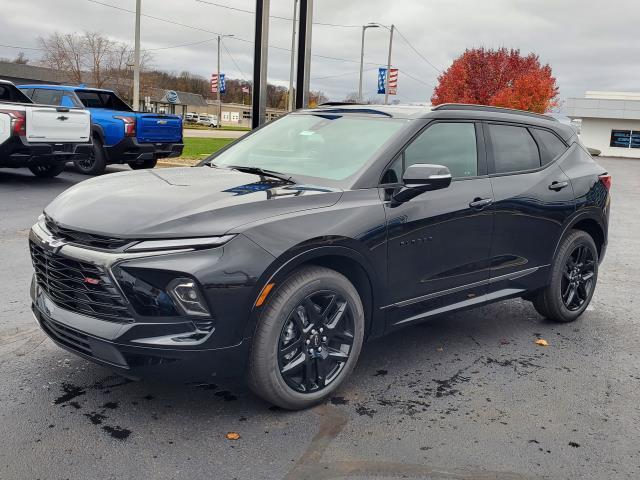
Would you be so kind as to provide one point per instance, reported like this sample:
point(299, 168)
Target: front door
point(439, 242)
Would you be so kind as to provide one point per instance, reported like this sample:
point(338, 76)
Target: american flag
point(393, 80)
point(214, 83)
point(245, 89)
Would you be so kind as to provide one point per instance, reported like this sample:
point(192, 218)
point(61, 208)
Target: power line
point(417, 52)
point(343, 74)
point(234, 60)
point(236, 9)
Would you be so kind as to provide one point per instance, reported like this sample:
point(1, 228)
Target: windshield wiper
point(263, 172)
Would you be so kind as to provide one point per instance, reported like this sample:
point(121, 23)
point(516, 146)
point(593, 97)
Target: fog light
point(187, 296)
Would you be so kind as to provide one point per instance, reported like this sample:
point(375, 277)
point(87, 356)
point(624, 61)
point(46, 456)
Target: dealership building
point(610, 122)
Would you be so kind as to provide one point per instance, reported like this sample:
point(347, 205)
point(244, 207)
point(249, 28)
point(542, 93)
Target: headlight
point(186, 295)
point(179, 243)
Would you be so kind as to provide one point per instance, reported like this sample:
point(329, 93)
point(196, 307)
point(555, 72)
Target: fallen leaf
point(439, 349)
point(232, 436)
point(542, 342)
point(504, 341)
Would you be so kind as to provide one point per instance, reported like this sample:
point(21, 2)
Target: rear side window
point(514, 149)
point(99, 99)
point(450, 144)
point(47, 97)
point(550, 146)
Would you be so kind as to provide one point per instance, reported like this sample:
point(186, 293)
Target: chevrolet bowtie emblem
point(62, 118)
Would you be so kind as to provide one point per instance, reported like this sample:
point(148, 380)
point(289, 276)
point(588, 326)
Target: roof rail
point(487, 108)
point(338, 104)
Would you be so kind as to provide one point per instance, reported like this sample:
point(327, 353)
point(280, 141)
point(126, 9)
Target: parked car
point(191, 117)
point(40, 138)
point(208, 120)
point(119, 134)
point(280, 255)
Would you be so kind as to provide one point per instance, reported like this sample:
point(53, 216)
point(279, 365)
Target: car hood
point(181, 202)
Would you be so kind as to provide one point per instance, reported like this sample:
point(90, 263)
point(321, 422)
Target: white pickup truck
point(38, 137)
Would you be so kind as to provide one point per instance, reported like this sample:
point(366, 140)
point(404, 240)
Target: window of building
point(625, 138)
point(514, 149)
point(550, 146)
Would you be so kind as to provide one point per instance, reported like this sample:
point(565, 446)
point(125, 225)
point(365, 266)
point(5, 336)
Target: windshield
point(332, 147)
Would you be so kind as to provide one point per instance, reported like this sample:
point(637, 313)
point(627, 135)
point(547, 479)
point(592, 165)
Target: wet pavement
point(467, 396)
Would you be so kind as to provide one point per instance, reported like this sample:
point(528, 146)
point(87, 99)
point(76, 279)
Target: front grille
point(66, 336)
point(83, 238)
point(78, 286)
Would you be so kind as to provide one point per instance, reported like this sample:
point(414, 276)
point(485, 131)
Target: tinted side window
point(450, 144)
point(550, 145)
point(46, 97)
point(514, 149)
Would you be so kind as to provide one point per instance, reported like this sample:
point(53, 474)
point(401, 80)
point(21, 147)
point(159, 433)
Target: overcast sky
point(590, 44)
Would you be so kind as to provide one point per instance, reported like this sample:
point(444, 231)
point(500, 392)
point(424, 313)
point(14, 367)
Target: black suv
point(281, 254)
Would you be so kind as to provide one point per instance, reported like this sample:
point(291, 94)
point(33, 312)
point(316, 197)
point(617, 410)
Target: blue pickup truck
point(120, 135)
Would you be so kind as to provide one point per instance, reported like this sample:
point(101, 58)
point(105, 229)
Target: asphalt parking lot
point(466, 396)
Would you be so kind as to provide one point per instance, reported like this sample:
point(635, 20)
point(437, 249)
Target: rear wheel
point(308, 339)
point(95, 163)
point(144, 164)
point(47, 171)
point(574, 275)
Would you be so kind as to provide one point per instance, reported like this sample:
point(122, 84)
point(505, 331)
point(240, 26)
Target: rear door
point(439, 242)
point(159, 128)
point(532, 198)
point(50, 124)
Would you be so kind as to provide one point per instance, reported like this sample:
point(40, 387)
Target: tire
point(47, 171)
point(324, 357)
point(96, 163)
point(575, 267)
point(144, 164)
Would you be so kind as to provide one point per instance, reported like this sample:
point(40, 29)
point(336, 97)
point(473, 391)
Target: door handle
point(558, 185)
point(480, 203)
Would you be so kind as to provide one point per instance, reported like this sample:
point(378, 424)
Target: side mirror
point(422, 177)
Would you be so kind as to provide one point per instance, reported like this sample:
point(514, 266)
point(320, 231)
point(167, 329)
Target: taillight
point(129, 125)
point(606, 181)
point(18, 122)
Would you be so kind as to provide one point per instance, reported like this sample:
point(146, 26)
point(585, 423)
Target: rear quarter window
point(514, 149)
point(551, 147)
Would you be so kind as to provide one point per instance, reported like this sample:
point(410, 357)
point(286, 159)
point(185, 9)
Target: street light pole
point(386, 81)
point(292, 100)
point(136, 59)
point(364, 28)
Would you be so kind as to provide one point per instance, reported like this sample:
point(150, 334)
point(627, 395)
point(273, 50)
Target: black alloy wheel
point(577, 278)
point(307, 339)
point(574, 273)
point(95, 163)
point(316, 341)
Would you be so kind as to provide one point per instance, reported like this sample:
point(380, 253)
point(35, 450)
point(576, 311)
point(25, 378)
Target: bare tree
point(92, 58)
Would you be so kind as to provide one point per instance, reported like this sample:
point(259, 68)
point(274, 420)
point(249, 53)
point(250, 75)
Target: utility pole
point(364, 28)
point(291, 99)
point(136, 60)
point(219, 119)
point(386, 81)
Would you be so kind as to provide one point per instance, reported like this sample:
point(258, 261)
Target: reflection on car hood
point(181, 202)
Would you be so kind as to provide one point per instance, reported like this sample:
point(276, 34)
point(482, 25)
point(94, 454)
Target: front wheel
point(574, 274)
point(308, 339)
point(143, 164)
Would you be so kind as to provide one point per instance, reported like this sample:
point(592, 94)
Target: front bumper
point(162, 346)
point(17, 152)
point(131, 150)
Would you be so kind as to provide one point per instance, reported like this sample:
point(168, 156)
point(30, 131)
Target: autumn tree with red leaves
point(501, 78)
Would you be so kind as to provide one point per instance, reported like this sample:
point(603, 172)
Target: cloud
point(590, 45)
